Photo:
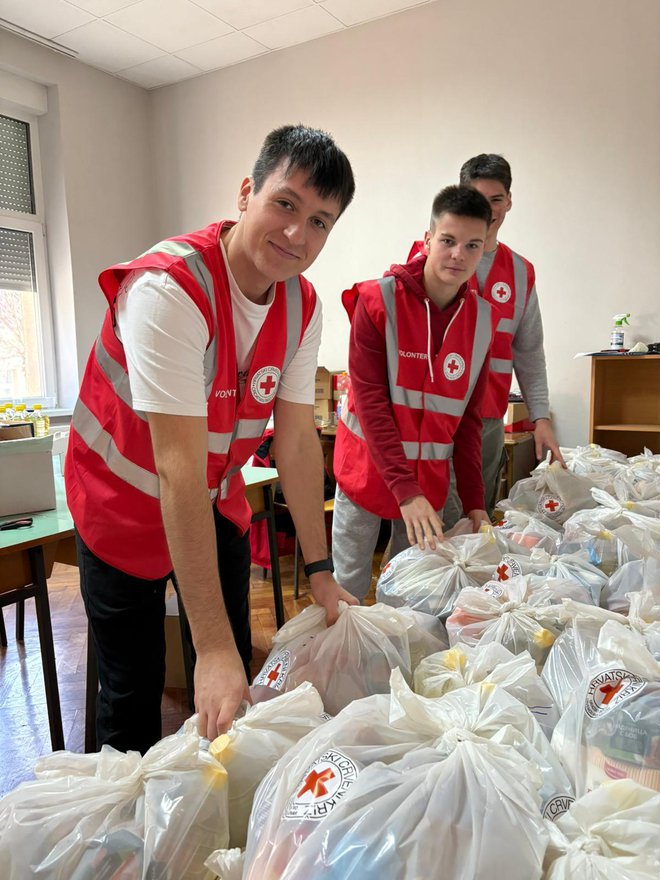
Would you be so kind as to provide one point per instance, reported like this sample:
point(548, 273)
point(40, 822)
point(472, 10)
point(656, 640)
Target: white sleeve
point(165, 337)
point(297, 382)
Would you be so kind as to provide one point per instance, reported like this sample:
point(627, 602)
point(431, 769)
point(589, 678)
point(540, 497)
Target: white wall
point(98, 181)
point(568, 91)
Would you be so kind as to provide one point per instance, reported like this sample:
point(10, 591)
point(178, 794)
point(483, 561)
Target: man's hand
point(477, 517)
point(544, 438)
point(422, 522)
point(220, 687)
point(328, 593)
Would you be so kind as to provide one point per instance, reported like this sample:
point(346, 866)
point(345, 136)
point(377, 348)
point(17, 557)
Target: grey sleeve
point(529, 360)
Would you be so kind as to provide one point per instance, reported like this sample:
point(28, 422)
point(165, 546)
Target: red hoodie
point(367, 366)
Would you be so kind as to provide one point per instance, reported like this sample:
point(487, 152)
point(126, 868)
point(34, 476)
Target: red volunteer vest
point(507, 289)
point(427, 409)
point(112, 486)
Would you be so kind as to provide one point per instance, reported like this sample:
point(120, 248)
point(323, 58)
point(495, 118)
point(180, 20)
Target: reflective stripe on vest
point(414, 451)
point(88, 427)
point(116, 375)
point(501, 365)
point(412, 398)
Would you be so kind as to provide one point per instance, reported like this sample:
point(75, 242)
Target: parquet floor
point(24, 732)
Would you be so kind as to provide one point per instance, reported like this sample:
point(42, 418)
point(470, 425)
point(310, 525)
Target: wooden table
point(27, 557)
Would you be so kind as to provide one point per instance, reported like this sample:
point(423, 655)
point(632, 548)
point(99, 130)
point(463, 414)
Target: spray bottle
point(616, 336)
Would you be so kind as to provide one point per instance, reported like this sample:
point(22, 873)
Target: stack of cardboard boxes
point(329, 388)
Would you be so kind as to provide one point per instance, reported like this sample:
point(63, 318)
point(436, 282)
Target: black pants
point(127, 620)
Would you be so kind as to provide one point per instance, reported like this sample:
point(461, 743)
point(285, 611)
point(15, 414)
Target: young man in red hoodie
point(418, 361)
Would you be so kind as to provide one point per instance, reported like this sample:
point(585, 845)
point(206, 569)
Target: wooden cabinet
point(625, 402)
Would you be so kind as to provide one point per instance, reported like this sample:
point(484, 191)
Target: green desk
point(27, 557)
point(26, 562)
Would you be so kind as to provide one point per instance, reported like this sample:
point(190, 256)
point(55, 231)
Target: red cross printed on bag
point(503, 572)
point(610, 691)
point(314, 783)
point(274, 674)
point(501, 292)
point(551, 505)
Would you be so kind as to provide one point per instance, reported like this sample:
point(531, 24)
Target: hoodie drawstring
point(428, 338)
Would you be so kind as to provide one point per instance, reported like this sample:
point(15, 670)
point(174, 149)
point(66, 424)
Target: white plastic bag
point(256, 741)
point(463, 665)
point(552, 494)
point(351, 659)
point(575, 651)
point(524, 533)
point(515, 614)
point(612, 833)
point(610, 730)
point(458, 816)
point(632, 577)
point(111, 814)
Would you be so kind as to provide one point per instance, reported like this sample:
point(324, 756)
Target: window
point(27, 363)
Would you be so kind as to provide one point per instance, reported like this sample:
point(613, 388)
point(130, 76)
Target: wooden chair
point(20, 624)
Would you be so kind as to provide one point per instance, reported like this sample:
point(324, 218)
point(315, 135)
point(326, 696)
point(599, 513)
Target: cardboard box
point(323, 384)
point(16, 430)
point(323, 410)
point(516, 419)
point(26, 475)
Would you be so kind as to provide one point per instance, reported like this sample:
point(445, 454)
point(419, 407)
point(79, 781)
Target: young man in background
point(418, 361)
point(507, 281)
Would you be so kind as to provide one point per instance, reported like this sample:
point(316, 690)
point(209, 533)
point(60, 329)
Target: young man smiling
point(205, 335)
point(507, 281)
point(418, 361)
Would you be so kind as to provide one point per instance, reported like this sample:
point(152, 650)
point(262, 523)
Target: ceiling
point(158, 42)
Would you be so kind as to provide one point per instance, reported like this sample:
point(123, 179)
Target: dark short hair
point(487, 166)
point(311, 150)
point(464, 201)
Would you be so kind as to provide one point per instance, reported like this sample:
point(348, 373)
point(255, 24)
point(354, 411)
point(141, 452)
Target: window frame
point(35, 225)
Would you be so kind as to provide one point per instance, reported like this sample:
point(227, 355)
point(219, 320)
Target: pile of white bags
point(429, 580)
point(115, 815)
point(354, 657)
point(574, 568)
point(631, 577)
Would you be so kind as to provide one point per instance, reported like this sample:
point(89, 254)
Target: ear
point(244, 193)
point(427, 241)
point(508, 203)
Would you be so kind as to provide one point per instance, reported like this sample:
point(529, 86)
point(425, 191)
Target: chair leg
point(296, 566)
point(3, 631)
point(20, 621)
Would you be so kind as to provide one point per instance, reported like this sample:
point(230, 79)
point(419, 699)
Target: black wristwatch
point(321, 565)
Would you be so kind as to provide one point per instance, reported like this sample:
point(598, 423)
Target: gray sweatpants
point(493, 458)
point(354, 536)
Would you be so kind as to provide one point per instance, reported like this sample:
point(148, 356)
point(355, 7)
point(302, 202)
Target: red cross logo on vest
point(314, 783)
point(500, 292)
point(454, 366)
point(264, 384)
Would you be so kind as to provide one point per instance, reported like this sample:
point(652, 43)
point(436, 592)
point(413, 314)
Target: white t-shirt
point(165, 337)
